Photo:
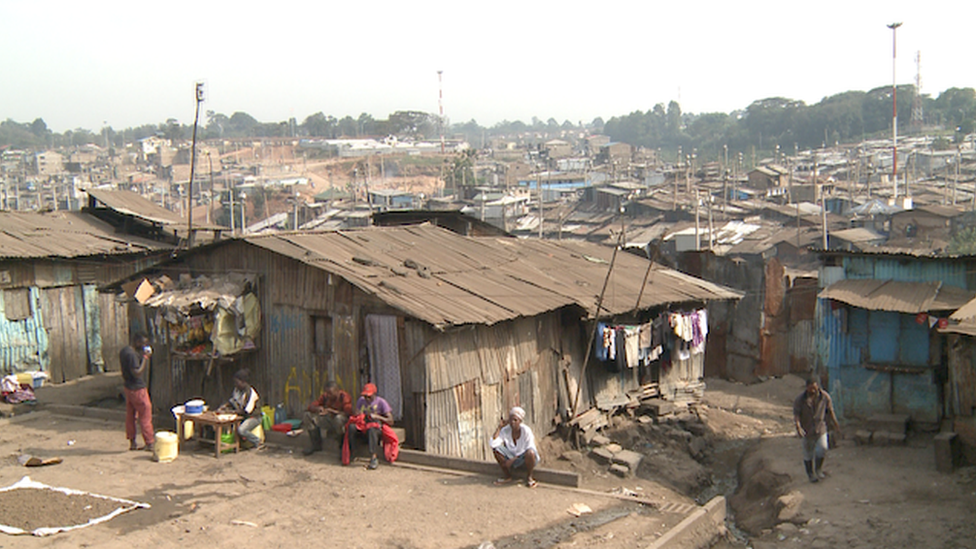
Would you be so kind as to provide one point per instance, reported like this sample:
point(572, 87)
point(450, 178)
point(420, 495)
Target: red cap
point(369, 390)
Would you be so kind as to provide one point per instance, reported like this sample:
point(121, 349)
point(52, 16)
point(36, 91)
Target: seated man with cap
point(374, 416)
point(514, 446)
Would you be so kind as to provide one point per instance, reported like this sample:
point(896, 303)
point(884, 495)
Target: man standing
point(134, 359)
point(374, 416)
point(811, 411)
point(330, 412)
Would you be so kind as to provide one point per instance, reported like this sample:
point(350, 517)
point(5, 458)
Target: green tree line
point(762, 126)
point(788, 124)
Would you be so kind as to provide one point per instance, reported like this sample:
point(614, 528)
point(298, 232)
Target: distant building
point(49, 163)
point(595, 142)
point(614, 153)
point(771, 178)
point(385, 200)
point(557, 148)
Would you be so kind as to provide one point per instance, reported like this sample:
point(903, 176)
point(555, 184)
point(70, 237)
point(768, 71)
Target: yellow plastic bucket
point(166, 447)
point(259, 431)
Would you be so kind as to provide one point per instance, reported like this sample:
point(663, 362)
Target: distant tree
point(964, 242)
point(366, 124)
point(461, 169)
point(348, 127)
point(39, 128)
point(320, 125)
point(241, 124)
point(413, 123)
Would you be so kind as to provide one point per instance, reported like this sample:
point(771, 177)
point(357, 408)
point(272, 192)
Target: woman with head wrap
point(514, 446)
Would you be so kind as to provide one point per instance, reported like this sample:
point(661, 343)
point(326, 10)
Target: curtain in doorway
point(384, 359)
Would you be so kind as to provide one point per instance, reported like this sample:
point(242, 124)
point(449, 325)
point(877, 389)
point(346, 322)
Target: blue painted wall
point(850, 337)
point(23, 343)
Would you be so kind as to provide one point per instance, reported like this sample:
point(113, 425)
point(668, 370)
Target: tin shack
point(452, 329)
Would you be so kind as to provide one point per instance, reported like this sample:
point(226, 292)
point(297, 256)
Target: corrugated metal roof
point(65, 234)
point(901, 297)
point(859, 235)
point(965, 312)
point(485, 280)
point(134, 204)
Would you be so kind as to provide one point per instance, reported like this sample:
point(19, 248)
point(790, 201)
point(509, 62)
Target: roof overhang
point(899, 297)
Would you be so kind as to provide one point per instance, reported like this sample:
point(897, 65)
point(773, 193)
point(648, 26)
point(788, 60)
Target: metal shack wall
point(284, 368)
point(739, 325)
point(474, 374)
point(961, 394)
point(72, 330)
point(905, 381)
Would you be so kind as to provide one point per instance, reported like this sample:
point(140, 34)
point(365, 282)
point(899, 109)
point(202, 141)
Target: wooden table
point(218, 423)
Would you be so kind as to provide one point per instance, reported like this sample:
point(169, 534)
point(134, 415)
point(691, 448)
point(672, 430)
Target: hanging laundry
point(620, 360)
point(632, 346)
point(646, 335)
point(610, 336)
point(700, 330)
point(653, 354)
point(602, 345)
point(681, 324)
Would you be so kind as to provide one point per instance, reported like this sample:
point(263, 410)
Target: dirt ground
point(279, 498)
point(872, 496)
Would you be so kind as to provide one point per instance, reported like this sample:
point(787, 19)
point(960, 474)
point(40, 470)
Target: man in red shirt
point(330, 412)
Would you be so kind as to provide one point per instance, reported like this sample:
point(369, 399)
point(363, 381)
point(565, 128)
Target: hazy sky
point(91, 63)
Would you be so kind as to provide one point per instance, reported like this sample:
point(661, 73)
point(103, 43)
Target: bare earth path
point(873, 496)
point(293, 501)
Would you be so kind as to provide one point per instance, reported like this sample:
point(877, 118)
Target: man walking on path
point(134, 360)
point(811, 411)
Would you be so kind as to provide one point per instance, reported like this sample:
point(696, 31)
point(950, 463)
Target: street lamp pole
point(894, 107)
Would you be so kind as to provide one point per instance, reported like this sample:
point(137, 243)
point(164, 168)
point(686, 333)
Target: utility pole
point(210, 208)
point(193, 165)
point(440, 106)
point(894, 108)
point(697, 220)
point(711, 228)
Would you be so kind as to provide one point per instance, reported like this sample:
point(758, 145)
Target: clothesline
point(630, 345)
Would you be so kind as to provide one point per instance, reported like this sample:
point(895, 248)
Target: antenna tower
point(440, 107)
point(918, 115)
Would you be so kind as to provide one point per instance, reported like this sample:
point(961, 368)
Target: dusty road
point(295, 501)
point(873, 496)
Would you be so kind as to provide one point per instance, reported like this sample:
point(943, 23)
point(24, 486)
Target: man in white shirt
point(514, 446)
point(244, 402)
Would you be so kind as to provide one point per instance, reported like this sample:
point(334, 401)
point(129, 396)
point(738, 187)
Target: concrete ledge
point(697, 530)
point(549, 476)
point(86, 411)
point(20, 418)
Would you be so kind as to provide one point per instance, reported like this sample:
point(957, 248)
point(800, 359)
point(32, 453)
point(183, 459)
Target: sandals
point(532, 483)
point(503, 481)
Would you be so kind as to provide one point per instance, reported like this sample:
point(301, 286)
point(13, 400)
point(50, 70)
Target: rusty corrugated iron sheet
point(901, 297)
point(135, 205)
point(965, 312)
point(447, 279)
point(65, 235)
